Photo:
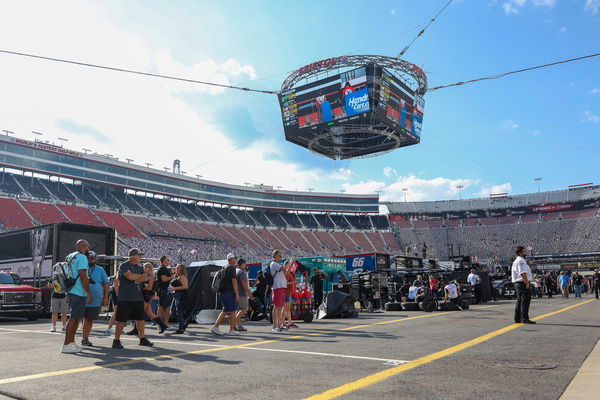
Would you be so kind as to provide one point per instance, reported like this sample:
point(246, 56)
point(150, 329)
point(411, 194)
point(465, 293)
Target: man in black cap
point(131, 275)
point(316, 282)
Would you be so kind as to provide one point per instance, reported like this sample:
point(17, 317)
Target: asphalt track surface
point(400, 355)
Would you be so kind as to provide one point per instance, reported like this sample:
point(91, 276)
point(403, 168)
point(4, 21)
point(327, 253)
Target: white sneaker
point(234, 333)
point(53, 329)
point(64, 328)
point(110, 331)
point(70, 348)
point(216, 331)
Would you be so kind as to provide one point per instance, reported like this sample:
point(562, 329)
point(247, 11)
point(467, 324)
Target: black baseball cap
point(134, 252)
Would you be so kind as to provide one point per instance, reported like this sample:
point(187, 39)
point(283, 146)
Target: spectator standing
point(563, 281)
point(475, 281)
point(241, 274)
point(316, 283)
point(58, 305)
point(289, 293)
point(165, 298)
point(148, 293)
point(521, 278)
point(596, 282)
point(537, 284)
point(79, 295)
point(433, 285)
point(279, 289)
point(114, 296)
point(131, 298)
point(100, 290)
point(262, 288)
point(550, 288)
point(179, 287)
point(577, 284)
point(228, 291)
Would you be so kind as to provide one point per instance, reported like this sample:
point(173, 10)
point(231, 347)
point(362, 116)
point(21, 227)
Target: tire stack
point(393, 306)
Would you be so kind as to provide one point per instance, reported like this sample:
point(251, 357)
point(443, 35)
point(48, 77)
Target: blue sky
point(488, 137)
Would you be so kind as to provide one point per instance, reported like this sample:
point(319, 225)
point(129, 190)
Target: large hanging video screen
point(338, 98)
point(401, 106)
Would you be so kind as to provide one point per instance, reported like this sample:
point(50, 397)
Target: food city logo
point(357, 102)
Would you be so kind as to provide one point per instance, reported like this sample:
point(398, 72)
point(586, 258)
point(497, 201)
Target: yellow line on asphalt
point(388, 373)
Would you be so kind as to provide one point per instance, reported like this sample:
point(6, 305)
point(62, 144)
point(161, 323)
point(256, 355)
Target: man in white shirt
point(521, 278)
point(452, 294)
point(416, 292)
point(475, 281)
point(279, 288)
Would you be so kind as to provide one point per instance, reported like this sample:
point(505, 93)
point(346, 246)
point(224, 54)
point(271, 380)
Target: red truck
point(18, 299)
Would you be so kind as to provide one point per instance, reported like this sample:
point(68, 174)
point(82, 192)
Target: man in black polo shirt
point(165, 298)
point(316, 282)
point(131, 275)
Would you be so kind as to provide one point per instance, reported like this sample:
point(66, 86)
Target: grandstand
point(193, 219)
point(562, 221)
point(168, 212)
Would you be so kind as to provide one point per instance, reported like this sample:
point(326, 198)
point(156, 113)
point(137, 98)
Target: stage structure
point(354, 106)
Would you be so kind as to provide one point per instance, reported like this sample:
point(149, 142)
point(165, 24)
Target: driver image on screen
point(323, 108)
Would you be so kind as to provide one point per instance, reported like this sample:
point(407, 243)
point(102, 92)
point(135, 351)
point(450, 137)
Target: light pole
point(459, 187)
point(148, 165)
point(86, 150)
point(63, 140)
point(198, 176)
point(7, 132)
point(310, 189)
point(37, 134)
point(538, 180)
point(129, 160)
point(405, 190)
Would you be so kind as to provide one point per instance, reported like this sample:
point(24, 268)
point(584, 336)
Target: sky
point(489, 137)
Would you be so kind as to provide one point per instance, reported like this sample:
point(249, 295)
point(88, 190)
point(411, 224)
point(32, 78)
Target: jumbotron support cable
point(405, 49)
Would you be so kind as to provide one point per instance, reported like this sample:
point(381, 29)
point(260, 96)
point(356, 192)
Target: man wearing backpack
point(100, 291)
point(79, 295)
point(229, 293)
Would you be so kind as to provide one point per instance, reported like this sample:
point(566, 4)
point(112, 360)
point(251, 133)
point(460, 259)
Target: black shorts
point(130, 310)
point(92, 313)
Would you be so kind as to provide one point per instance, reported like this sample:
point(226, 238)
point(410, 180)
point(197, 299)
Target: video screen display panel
point(401, 106)
point(326, 101)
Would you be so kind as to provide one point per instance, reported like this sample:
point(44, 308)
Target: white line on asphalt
point(311, 353)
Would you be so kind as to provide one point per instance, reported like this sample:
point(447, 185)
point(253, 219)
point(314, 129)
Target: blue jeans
point(578, 289)
point(180, 300)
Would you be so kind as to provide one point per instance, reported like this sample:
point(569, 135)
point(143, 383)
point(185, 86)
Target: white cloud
point(509, 125)
point(592, 6)
point(544, 3)
point(342, 174)
point(509, 8)
point(594, 91)
point(418, 189)
point(589, 116)
point(513, 6)
point(390, 172)
point(536, 133)
point(495, 189)
point(393, 11)
point(563, 29)
point(145, 118)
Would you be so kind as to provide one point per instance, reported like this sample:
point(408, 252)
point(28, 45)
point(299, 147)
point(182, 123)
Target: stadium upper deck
point(557, 200)
point(45, 158)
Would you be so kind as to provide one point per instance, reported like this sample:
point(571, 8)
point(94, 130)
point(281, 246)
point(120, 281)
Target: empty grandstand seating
point(12, 214)
point(45, 213)
point(80, 215)
point(117, 221)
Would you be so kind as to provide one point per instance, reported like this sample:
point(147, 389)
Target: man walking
point(131, 299)
point(521, 278)
point(563, 281)
point(241, 274)
point(78, 295)
point(596, 282)
point(316, 283)
point(229, 293)
point(100, 290)
point(577, 284)
point(475, 281)
point(279, 289)
point(549, 285)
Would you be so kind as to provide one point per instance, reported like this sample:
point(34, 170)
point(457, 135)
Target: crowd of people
point(139, 292)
